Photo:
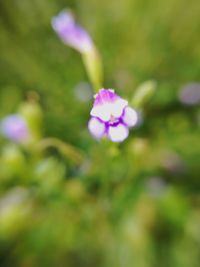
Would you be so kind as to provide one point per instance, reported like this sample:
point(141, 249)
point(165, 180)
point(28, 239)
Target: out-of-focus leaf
point(143, 94)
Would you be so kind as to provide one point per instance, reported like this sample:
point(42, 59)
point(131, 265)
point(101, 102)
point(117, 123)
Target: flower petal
point(118, 133)
point(108, 104)
point(130, 117)
point(96, 128)
point(118, 107)
point(103, 112)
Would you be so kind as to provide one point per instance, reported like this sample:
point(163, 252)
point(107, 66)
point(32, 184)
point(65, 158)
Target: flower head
point(71, 33)
point(15, 128)
point(111, 116)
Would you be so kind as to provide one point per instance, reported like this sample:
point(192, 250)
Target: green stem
point(94, 69)
point(66, 149)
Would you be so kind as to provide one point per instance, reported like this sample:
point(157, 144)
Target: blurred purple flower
point(156, 186)
point(15, 128)
point(190, 94)
point(71, 33)
point(111, 116)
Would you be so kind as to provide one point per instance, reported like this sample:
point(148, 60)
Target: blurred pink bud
point(71, 33)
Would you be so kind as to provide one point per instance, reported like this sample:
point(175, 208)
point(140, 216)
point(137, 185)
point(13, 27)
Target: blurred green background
point(68, 200)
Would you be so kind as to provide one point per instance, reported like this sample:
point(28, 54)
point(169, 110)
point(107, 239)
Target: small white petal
point(130, 117)
point(118, 133)
point(96, 128)
point(103, 112)
point(118, 107)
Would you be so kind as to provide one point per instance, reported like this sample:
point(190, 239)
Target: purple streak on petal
point(96, 128)
point(14, 127)
point(130, 117)
point(71, 33)
point(118, 133)
point(105, 96)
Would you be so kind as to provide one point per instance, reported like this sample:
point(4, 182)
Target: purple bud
point(15, 128)
point(111, 116)
point(71, 33)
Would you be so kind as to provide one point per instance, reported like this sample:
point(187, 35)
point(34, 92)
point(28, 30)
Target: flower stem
point(94, 69)
point(66, 149)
